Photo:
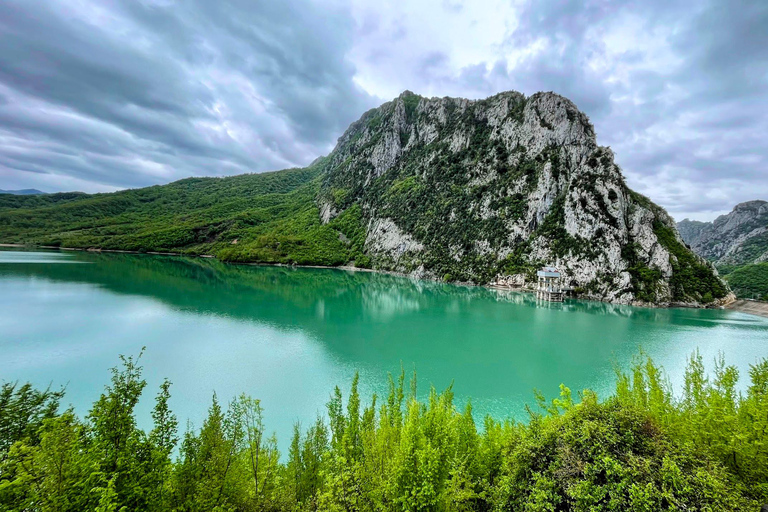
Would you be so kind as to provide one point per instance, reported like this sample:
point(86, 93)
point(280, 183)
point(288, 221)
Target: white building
point(550, 285)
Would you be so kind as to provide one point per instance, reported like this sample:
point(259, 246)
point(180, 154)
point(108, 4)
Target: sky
point(101, 95)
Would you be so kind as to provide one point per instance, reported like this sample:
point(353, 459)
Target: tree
point(162, 440)
point(119, 445)
point(22, 412)
point(58, 473)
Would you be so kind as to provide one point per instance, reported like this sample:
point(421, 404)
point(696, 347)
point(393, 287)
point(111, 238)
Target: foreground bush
point(642, 449)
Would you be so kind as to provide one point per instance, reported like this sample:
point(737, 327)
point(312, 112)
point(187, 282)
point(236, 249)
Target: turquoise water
point(287, 336)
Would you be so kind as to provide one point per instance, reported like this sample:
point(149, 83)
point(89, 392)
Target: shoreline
point(750, 307)
point(761, 309)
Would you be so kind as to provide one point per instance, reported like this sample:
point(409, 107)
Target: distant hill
point(484, 191)
point(13, 201)
point(750, 281)
point(737, 243)
point(23, 192)
point(738, 238)
point(691, 230)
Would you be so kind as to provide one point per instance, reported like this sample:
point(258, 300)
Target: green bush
point(691, 277)
point(641, 449)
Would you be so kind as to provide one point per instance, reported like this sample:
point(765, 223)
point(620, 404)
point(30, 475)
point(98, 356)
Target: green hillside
point(750, 281)
point(269, 217)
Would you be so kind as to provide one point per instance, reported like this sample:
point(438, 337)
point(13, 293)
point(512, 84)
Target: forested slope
point(269, 217)
point(749, 281)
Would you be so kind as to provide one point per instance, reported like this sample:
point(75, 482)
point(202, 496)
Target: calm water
point(287, 336)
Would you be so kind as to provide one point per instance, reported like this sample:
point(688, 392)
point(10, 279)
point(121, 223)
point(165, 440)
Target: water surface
point(287, 336)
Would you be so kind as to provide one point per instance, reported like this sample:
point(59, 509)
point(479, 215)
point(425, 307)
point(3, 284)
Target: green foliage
point(750, 281)
point(261, 218)
point(340, 196)
point(517, 263)
point(22, 412)
point(691, 277)
point(711, 415)
point(352, 231)
point(724, 270)
point(641, 449)
point(374, 121)
point(58, 473)
point(562, 242)
point(10, 201)
point(517, 111)
point(644, 280)
point(411, 102)
point(640, 199)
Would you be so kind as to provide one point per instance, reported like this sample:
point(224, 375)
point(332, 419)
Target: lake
point(288, 335)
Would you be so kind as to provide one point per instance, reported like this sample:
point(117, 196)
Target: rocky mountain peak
point(737, 238)
point(487, 190)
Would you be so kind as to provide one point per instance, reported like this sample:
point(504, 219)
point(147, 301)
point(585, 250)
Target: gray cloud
point(130, 93)
point(684, 105)
point(102, 95)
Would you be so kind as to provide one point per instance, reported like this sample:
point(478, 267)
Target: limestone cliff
point(738, 238)
point(488, 190)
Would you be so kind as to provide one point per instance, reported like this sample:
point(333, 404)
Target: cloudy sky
point(98, 95)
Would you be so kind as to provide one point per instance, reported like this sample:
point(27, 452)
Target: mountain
point(738, 244)
point(738, 238)
point(481, 191)
point(489, 190)
point(24, 192)
point(690, 230)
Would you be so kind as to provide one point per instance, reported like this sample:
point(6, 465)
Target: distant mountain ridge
point(737, 238)
point(483, 191)
point(23, 192)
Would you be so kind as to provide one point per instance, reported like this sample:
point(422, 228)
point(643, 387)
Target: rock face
point(487, 191)
point(24, 192)
point(738, 238)
point(691, 230)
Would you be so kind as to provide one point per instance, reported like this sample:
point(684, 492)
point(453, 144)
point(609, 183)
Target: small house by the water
point(550, 285)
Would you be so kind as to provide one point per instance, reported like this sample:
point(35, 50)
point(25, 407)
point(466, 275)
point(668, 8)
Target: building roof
point(548, 272)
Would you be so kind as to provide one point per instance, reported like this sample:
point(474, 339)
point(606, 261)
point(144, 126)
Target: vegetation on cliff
point(641, 449)
point(691, 276)
point(489, 190)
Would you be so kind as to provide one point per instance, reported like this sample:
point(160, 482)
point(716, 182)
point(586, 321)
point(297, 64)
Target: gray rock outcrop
point(737, 238)
point(488, 190)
